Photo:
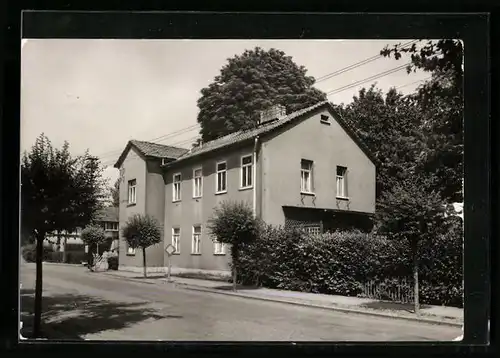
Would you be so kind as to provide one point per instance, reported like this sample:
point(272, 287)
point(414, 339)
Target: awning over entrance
point(327, 219)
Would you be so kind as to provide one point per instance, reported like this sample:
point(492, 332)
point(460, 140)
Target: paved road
point(83, 305)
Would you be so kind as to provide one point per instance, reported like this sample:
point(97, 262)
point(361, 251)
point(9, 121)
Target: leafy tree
point(93, 235)
point(115, 194)
point(248, 83)
point(440, 102)
point(233, 223)
point(390, 127)
point(142, 231)
point(406, 212)
point(58, 192)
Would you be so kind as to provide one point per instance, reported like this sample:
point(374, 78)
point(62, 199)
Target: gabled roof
point(108, 214)
point(151, 150)
point(267, 128)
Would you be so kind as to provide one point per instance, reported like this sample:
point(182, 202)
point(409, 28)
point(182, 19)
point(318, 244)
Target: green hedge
point(340, 263)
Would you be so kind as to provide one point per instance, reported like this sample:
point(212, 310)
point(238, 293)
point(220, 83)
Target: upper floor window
point(341, 182)
point(176, 188)
point(306, 176)
point(197, 183)
point(132, 194)
point(111, 226)
point(246, 172)
point(221, 180)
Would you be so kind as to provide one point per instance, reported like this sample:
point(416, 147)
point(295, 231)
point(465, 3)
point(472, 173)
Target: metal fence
point(396, 290)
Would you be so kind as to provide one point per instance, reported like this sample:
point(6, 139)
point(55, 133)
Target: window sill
point(176, 253)
point(245, 188)
point(307, 193)
point(130, 254)
point(342, 198)
point(197, 197)
point(196, 253)
point(219, 254)
point(176, 201)
point(325, 122)
point(131, 204)
point(221, 192)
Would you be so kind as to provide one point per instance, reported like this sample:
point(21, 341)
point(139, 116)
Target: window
point(132, 194)
point(341, 182)
point(313, 229)
point(195, 249)
point(221, 183)
point(306, 176)
point(218, 248)
point(130, 251)
point(176, 188)
point(246, 172)
point(111, 226)
point(324, 119)
point(176, 239)
point(197, 183)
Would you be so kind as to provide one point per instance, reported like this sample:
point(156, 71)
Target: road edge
point(331, 308)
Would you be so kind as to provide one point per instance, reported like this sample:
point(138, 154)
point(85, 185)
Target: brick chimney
point(272, 113)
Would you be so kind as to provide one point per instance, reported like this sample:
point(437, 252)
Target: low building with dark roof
point(306, 169)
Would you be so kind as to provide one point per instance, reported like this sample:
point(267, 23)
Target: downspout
point(254, 176)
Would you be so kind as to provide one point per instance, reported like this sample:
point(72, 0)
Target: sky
point(98, 94)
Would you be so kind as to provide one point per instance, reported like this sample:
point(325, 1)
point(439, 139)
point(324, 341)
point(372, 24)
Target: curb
point(139, 280)
point(331, 308)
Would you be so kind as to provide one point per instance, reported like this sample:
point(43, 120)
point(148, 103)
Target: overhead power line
point(367, 79)
point(411, 83)
point(358, 64)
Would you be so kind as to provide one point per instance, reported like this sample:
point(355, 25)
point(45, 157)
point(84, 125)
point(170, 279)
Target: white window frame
point(200, 178)
point(341, 181)
point(132, 191)
point(246, 171)
point(176, 187)
point(313, 229)
point(196, 236)
point(176, 244)
point(130, 251)
point(306, 187)
point(219, 248)
point(217, 172)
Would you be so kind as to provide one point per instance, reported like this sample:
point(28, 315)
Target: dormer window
point(325, 119)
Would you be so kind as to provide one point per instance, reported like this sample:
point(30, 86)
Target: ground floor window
point(130, 251)
point(219, 248)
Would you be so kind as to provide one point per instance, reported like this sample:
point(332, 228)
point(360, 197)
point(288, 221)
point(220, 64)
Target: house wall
point(134, 167)
point(327, 146)
point(189, 211)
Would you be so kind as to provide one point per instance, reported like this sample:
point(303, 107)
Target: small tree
point(233, 223)
point(93, 235)
point(115, 194)
point(142, 231)
point(409, 212)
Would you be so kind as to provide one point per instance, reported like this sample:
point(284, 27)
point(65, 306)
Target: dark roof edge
point(129, 145)
point(340, 211)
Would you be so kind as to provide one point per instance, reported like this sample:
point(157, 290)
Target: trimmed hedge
point(113, 263)
point(29, 252)
point(341, 263)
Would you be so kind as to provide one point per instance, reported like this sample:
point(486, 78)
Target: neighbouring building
point(306, 169)
point(107, 218)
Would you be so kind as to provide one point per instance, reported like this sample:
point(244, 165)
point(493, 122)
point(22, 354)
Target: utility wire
point(411, 83)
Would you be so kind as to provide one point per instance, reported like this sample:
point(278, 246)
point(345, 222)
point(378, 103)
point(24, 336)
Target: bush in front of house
point(113, 263)
point(342, 263)
point(56, 256)
point(29, 252)
point(75, 257)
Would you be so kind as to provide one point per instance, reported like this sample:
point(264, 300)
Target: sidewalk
point(432, 314)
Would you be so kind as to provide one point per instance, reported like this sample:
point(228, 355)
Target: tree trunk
point(415, 279)
point(64, 250)
point(234, 277)
point(39, 285)
point(144, 261)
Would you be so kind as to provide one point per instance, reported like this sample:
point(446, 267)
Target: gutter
point(254, 176)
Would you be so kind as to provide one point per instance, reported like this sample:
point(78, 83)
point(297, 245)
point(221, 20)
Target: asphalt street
point(79, 304)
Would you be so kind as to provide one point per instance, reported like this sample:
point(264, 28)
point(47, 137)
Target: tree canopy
point(115, 194)
point(249, 83)
point(93, 235)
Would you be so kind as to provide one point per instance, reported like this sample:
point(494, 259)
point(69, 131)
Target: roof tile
point(158, 150)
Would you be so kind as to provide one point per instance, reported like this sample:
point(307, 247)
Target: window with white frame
point(197, 183)
point(221, 183)
point(130, 251)
point(176, 239)
point(306, 176)
point(195, 246)
point(176, 187)
point(341, 182)
point(132, 194)
point(246, 172)
point(111, 226)
point(313, 229)
point(218, 248)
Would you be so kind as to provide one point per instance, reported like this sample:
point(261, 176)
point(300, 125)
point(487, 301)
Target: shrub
point(56, 256)
point(29, 253)
point(75, 257)
point(113, 263)
point(342, 262)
